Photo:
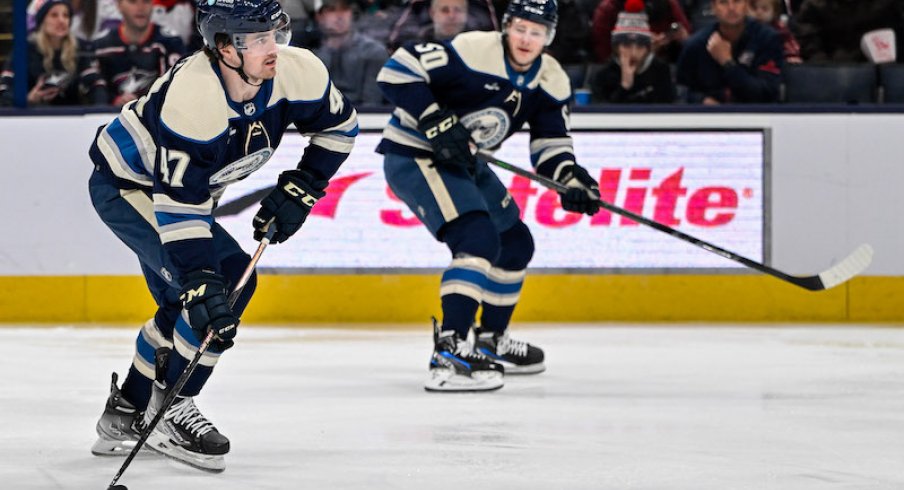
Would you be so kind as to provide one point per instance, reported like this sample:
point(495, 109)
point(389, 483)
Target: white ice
point(620, 407)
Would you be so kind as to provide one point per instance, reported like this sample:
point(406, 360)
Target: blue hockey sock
point(460, 291)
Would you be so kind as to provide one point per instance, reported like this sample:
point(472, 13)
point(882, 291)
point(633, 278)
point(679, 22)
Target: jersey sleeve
point(332, 125)
point(317, 108)
point(406, 77)
point(551, 148)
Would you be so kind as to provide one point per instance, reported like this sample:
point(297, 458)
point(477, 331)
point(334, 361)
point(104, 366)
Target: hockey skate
point(119, 426)
point(455, 366)
point(184, 434)
point(517, 356)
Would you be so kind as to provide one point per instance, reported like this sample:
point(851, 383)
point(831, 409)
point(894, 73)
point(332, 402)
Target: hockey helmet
point(544, 12)
point(238, 18)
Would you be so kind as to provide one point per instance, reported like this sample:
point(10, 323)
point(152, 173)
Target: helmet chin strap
point(239, 69)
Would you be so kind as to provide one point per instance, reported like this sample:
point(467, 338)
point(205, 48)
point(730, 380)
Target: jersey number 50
point(432, 55)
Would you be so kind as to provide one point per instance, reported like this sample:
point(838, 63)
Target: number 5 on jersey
point(432, 55)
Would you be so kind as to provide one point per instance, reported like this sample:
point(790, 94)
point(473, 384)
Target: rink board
point(406, 299)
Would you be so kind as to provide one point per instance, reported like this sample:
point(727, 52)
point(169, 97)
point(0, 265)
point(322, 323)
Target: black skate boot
point(517, 356)
point(119, 426)
point(454, 365)
point(184, 434)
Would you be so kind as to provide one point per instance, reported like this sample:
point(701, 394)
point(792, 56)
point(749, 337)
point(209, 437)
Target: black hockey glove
point(288, 205)
point(449, 138)
point(583, 195)
point(204, 298)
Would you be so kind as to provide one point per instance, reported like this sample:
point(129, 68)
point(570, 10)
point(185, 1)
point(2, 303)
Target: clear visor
point(263, 42)
point(532, 29)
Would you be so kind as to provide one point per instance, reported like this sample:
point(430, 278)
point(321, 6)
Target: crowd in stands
point(97, 52)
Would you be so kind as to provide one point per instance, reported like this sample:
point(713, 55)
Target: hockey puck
point(118, 487)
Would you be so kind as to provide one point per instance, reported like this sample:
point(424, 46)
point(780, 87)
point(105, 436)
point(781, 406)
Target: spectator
point(135, 54)
point(830, 30)
point(62, 69)
point(418, 17)
point(88, 16)
point(769, 12)
point(446, 19)
point(737, 59)
point(572, 42)
point(634, 74)
point(668, 24)
point(352, 59)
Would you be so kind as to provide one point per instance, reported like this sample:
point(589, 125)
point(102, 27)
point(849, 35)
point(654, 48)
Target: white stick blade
point(854, 264)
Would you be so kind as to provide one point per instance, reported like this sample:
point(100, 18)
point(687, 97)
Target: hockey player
point(476, 90)
point(160, 168)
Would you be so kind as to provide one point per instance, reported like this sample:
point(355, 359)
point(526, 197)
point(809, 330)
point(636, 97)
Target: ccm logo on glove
point(441, 127)
point(294, 190)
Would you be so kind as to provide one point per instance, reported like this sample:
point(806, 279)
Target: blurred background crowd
point(108, 52)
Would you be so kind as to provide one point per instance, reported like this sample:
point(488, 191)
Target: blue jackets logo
point(488, 127)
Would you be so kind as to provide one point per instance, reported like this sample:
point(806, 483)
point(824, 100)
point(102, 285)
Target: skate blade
point(519, 370)
point(445, 381)
point(106, 448)
point(213, 463)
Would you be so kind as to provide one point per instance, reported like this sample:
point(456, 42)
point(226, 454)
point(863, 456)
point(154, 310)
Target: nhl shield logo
point(249, 108)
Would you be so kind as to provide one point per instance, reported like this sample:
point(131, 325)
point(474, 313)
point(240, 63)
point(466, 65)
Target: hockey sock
point(500, 296)
point(186, 345)
point(154, 334)
point(506, 277)
point(474, 242)
point(460, 292)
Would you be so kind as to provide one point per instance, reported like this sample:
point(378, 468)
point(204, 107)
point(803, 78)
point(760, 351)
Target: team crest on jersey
point(488, 126)
point(257, 137)
point(241, 167)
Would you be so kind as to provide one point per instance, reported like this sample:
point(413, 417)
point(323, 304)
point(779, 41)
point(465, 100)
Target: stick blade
point(853, 264)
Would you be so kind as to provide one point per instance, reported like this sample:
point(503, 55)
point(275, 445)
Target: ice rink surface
point(620, 407)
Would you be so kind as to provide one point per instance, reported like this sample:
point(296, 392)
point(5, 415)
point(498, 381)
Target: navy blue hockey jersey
point(185, 141)
point(132, 68)
point(471, 76)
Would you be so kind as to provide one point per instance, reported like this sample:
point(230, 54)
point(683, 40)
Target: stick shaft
point(187, 372)
point(812, 283)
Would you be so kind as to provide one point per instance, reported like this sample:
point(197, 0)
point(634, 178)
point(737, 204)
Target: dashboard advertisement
point(709, 184)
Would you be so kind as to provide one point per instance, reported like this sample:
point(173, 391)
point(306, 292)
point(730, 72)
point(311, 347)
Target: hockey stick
point(853, 264)
point(183, 378)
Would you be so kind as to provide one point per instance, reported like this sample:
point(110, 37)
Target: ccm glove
point(288, 205)
point(204, 298)
point(583, 194)
point(449, 138)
